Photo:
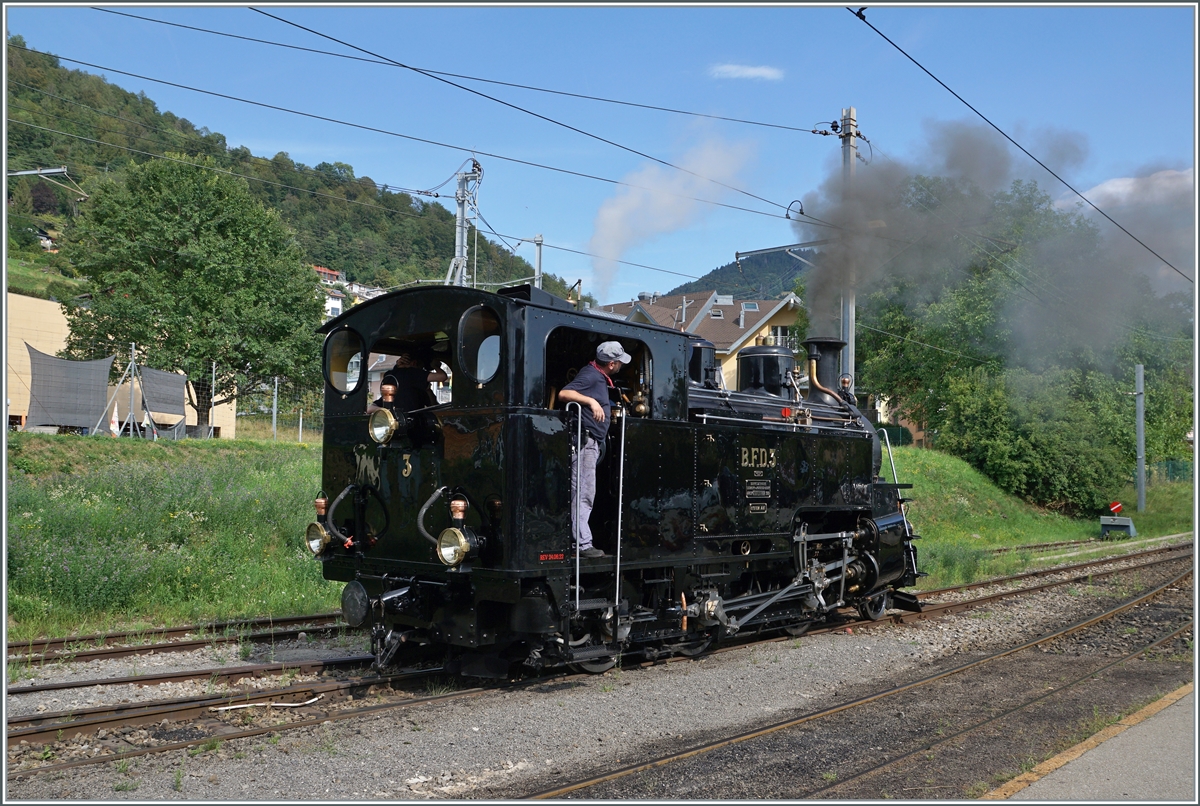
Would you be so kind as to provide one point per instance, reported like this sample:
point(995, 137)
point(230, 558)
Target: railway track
point(1090, 543)
point(118, 722)
point(230, 675)
point(226, 675)
point(1176, 547)
point(132, 643)
point(128, 644)
point(654, 764)
point(47, 727)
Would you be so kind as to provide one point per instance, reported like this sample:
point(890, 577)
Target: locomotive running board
point(906, 601)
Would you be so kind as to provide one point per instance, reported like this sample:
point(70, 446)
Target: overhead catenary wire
point(923, 344)
point(316, 193)
point(522, 109)
point(1011, 266)
point(512, 84)
point(213, 168)
point(198, 140)
point(412, 138)
point(1022, 148)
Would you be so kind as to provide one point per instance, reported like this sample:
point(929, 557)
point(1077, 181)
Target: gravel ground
point(502, 743)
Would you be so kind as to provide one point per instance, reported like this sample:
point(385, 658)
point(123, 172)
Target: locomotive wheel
point(691, 649)
point(598, 666)
point(594, 666)
point(873, 609)
point(798, 630)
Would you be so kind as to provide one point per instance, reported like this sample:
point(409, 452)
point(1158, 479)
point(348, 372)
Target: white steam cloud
point(1160, 209)
point(657, 200)
point(761, 73)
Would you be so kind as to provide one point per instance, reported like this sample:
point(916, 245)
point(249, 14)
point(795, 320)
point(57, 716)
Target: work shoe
point(592, 553)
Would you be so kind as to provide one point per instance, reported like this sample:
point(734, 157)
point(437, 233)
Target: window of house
point(717, 313)
point(749, 306)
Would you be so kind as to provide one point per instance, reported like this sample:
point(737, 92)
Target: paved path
point(1147, 756)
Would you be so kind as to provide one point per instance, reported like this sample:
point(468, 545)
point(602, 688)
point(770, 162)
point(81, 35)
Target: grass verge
point(106, 534)
point(126, 534)
point(961, 516)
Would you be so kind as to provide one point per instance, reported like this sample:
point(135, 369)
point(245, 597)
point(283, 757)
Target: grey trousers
point(584, 498)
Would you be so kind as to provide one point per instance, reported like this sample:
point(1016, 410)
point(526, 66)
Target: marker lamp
point(452, 547)
point(382, 425)
point(316, 538)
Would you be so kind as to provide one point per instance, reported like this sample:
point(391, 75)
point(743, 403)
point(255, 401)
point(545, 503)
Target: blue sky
point(1103, 94)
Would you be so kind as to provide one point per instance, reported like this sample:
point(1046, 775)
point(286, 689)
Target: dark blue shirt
point(595, 384)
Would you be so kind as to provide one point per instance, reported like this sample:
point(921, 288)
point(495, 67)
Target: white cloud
point(1157, 188)
point(744, 71)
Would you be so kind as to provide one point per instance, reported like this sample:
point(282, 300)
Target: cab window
point(479, 343)
point(343, 360)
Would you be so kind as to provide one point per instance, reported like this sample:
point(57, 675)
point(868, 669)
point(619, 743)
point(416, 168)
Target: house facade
point(728, 323)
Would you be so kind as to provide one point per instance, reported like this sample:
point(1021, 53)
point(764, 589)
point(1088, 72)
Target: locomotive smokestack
point(823, 369)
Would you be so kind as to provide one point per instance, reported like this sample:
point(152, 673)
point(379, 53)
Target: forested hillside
point(342, 221)
point(759, 277)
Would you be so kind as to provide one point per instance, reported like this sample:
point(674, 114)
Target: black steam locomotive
point(721, 511)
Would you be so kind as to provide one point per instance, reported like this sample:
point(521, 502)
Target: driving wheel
point(873, 609)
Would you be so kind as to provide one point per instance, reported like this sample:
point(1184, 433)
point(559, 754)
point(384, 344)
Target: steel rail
point(50, 644)
point(1006, 713)
point(469, 692)
point(933, 611)
point(243, 734)
point(46, 727)
point(558, 792)
point(110, 652)
point(222, 674)
point(938, 610)
point(1048, 571)
point(1093, 542)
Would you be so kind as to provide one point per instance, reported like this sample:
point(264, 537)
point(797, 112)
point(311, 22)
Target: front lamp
point(316, 538)
point(452, 547)
point(382, 425)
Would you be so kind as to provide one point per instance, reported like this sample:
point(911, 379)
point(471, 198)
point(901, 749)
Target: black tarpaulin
point(163, 391)
point(71, 393)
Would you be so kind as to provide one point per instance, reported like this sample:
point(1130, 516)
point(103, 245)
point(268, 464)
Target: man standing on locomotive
point(412, 378)
point(590, 391)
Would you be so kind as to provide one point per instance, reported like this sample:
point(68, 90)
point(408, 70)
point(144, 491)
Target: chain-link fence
point(284, 415)
point(1169, 471)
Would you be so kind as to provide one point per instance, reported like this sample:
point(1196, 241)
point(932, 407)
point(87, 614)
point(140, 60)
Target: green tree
point(998, 331)
point(20, 199)
point(188, 266)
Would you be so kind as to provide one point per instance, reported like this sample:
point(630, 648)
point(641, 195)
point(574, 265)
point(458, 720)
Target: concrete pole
point(460, 230)
point(274, 408)
point(537, 260)
point(300, 430)
point(457, 274)
point(1139, 392)
point(212, 395)
point(849, 156)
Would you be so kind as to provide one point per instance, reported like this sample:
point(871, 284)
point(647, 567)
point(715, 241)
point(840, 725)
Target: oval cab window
point(479, 343)
point(343, 360)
